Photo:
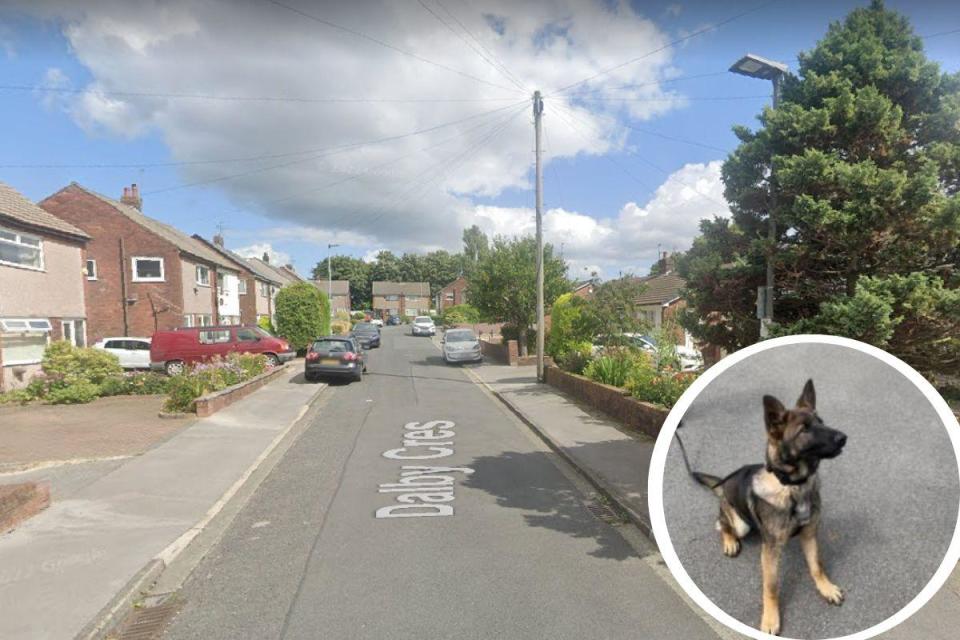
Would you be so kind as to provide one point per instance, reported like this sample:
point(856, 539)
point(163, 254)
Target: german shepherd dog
point(780, 499)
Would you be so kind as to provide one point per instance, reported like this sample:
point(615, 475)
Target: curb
point(126, 600)
point(598, 482)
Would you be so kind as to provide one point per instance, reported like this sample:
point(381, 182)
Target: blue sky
point(593, 175)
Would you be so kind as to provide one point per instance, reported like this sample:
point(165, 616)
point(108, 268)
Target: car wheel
point(358, 377)
point(174, 367)
point(273, 360)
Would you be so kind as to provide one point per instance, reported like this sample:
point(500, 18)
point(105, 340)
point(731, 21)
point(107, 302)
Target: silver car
point(423, 326)
point(461, 345)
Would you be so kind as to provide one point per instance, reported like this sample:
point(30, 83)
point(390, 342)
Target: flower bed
point(205, 378)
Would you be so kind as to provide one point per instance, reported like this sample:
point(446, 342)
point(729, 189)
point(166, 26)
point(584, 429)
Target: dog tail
point(710, 482)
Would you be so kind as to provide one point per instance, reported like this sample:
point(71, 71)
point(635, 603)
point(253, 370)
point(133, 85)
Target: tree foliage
point(476, 245)
point(613, 309)
point(504, 285)
point(302, 314)
point(355, 270)
point(570, 325)
point(860, 167)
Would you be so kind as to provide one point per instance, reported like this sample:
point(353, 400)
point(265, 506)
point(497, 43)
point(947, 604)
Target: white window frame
point(133, 265)
point(73, 331)
point(18, 242)
point(91, 275)
point(199, 269)
point(16, 363)
point(265, 289)
point(188, 320)
point(25, 325)
point(241, 286)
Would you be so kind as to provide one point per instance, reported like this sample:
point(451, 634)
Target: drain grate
point(603, 513)
point(147, 623)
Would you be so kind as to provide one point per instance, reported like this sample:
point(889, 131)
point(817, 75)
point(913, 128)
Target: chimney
point(666, 263)
point(266, 257)
point(289, 266)
point(131, 197)
point(218, 240)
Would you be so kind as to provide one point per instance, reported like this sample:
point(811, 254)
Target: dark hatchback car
point(367, 334)
point(334, 356)
point(394, 321)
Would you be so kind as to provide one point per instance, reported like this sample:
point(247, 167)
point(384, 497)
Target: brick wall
point(459, 290)
point(158, 305)
point(504, 353)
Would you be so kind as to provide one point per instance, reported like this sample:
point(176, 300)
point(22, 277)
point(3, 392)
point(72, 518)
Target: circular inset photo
point(808, 487)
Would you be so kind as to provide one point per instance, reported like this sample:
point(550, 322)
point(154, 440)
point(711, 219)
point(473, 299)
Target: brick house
point(583, 289)
point(41, 286)
point(256, 286)
point(401, 299)
point(661, 300)
point(143, 275)
point(339, 291)
point(453, 294)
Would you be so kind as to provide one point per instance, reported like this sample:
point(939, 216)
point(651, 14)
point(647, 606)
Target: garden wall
point(613, 401)
point(504, 353)
point(212, 402)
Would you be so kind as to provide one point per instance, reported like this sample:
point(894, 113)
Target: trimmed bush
point(461, 314)
point(77, 392)
point(302, 313)
point(569, 325)
point(62, 359)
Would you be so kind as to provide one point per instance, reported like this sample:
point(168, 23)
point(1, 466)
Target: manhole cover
point(604, 513)
point(147, 623)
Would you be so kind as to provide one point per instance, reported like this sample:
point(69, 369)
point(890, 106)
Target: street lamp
point(754, 66)
point(330, 278)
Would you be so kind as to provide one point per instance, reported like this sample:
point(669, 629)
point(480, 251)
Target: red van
point(171, 351)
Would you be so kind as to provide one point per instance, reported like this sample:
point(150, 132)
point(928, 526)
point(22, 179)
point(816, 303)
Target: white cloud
point(411, 193)
point(629, 241)
point(257, 250)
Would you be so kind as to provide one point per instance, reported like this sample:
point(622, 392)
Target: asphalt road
point(889, 501)
point(520, 557)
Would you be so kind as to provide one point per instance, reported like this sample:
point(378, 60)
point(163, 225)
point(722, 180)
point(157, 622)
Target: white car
point(377, 322)
point(423, 326)
point(133, 353)
point(461, 345)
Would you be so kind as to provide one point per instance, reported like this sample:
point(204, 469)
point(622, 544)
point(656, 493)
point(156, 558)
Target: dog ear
point(773, 414)
point(808, 399)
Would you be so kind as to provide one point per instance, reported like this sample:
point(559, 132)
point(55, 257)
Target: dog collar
point(784, 478)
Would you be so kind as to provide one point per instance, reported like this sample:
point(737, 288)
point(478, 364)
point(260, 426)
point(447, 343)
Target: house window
point(265, 289)
point(217, 336)
point(74, 332)
point(242, 286)
point(188, 320)
point(20, 249)
point(203, 275)
point(449, 296)
point(203, 320)
point(12, 325)
point(391, 298)
point(91, 269)
point(147, 269)
point(23, 340)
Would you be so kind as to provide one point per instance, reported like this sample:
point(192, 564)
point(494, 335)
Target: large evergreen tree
point(860, 167)
point(348, 268)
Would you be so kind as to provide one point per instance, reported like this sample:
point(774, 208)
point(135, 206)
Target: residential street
point(521, 556)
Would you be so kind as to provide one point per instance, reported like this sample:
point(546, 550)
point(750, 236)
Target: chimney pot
point(218, 240)
point(266, 257)
point(131, 197)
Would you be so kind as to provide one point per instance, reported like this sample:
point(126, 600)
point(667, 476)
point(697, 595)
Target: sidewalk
point(61, 568)
point(619, 463)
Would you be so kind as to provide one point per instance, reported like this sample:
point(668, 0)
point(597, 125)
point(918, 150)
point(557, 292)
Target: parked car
point(423, 326)
point(690, 359)
point(461, 345)
point(367, 334)
point(394, 321)
point(133, 353)
point(334, 356)
point(171, 351)
point(377, 322)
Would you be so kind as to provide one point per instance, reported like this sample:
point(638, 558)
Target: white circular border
point(659, 460)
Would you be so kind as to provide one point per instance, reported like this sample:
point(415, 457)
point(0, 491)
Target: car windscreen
point(364, 327)
point(423, 319)
point(333, 346)
point(461, 336)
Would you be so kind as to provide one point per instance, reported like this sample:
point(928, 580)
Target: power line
point(652, 83)
point(696, 33)
point(387, 45)
point(233, 98)
point(489, 51)
point(657, 134)
point(579, 98)
point(942, 33)
point(468, 43)
point(271, 156)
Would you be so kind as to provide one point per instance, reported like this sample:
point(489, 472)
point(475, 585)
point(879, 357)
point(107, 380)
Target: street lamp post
point(754, 66)
point(330, 278)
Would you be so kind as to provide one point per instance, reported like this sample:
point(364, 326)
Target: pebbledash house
point(143, 275)
point(41, 286)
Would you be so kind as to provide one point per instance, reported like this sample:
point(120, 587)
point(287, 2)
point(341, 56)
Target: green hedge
point(302, 314)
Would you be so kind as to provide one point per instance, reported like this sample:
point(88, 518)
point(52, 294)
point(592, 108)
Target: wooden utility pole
point(537, 118)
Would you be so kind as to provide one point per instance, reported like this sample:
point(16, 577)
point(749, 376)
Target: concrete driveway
point(890, 500)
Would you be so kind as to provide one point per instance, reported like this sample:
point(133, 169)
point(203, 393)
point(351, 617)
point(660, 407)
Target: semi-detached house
point(41, 286)
point(143, 275)
point(257, 286)
point(401, 299)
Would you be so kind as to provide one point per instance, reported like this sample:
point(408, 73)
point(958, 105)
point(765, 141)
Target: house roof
point(15, 206)
point(382, 288)
point(174, 236)
point(290, 272)
point(241, 262)
point(458, 280)
point(582, 285)
point(279, 275)
point(337, 287)
point(661, 289)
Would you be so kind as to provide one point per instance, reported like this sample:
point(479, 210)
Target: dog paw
point(731, 548)
point(770, 624)
point(831, 593)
